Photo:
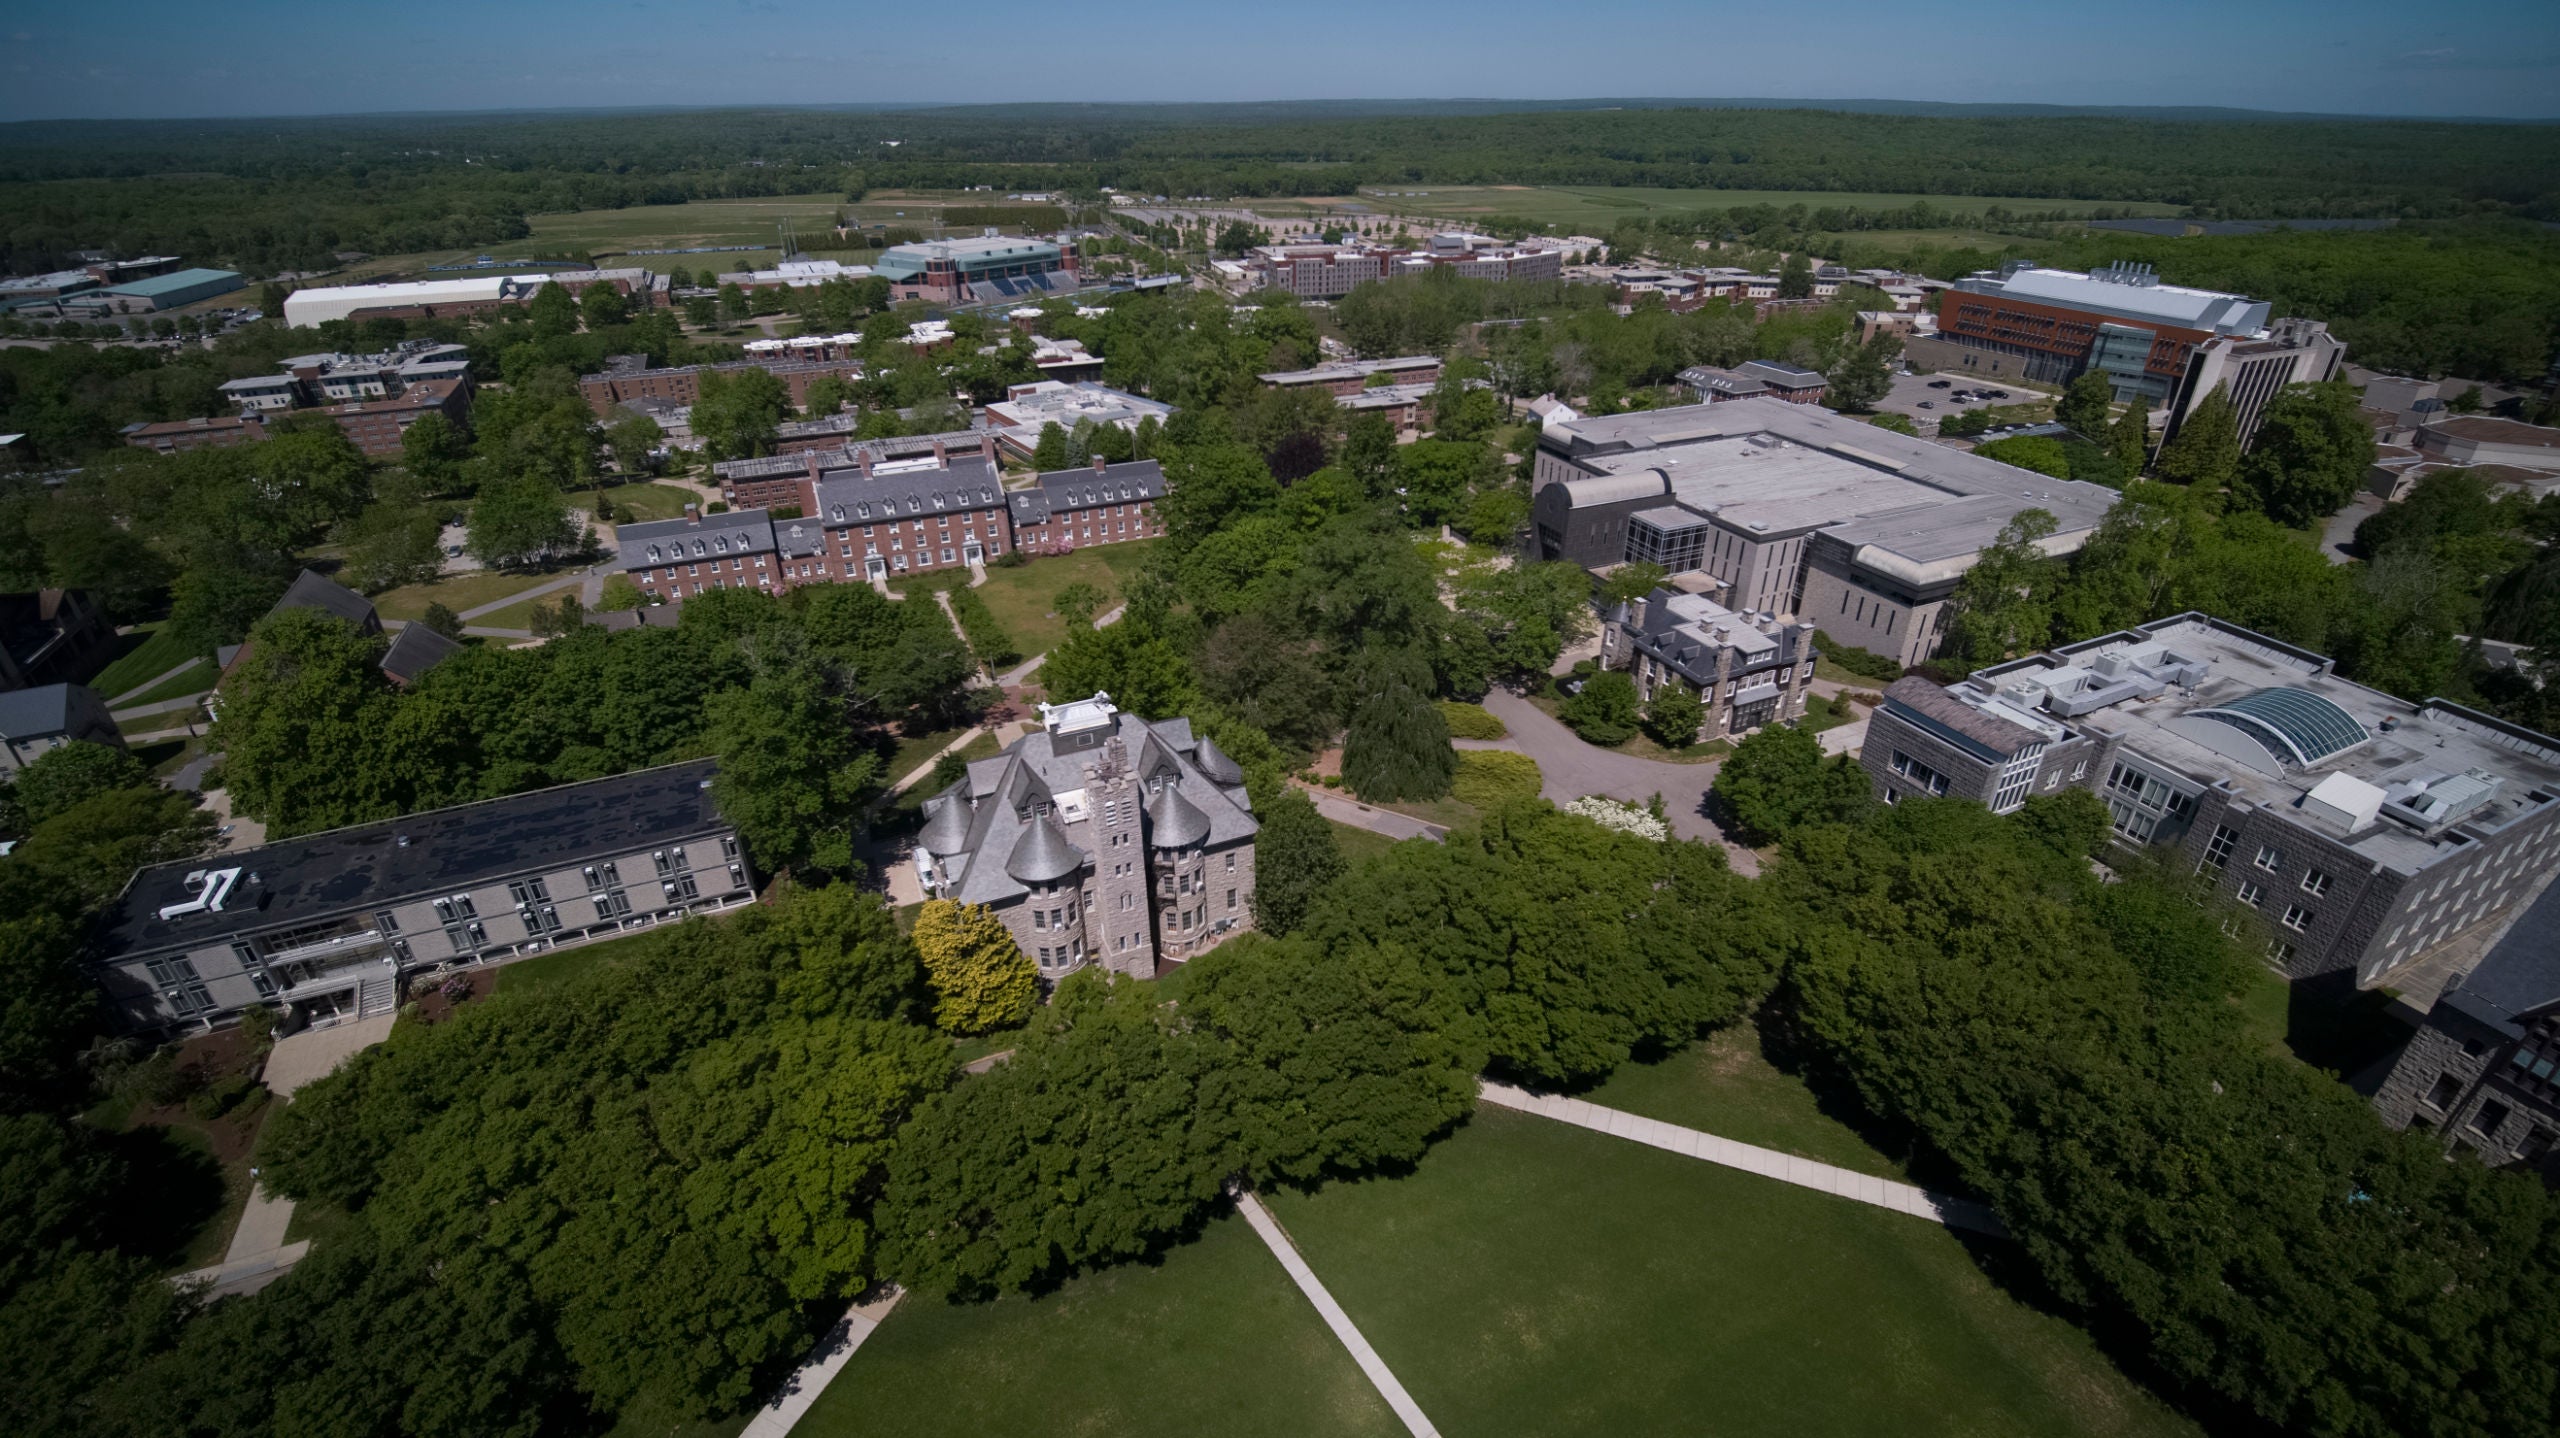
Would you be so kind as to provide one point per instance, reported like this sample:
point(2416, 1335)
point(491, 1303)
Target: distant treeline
point(268, 194)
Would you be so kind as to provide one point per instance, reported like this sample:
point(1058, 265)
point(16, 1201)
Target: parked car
point(1998, 393)
point(1928, 404)
point(1941, 383)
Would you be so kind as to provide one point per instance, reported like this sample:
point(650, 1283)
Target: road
point(1573, 769)
point(1343, 810)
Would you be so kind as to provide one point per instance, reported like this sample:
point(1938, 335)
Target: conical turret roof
point(1213, 761)
point(1174, 822)
point(946, 825)
point(1042, 855)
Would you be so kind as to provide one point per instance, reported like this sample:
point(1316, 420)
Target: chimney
point(987, 446)
point(693, 514)
point(866, 463)
point(809, 462)
point(941, 454)
point(1100, 463)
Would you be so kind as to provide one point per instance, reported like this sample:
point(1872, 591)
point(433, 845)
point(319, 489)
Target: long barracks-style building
point(329, 926)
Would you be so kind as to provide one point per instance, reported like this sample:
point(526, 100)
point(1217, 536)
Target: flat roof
point(2404, 744)
point(2213, 310)
point(447, 851)
point(175, 280)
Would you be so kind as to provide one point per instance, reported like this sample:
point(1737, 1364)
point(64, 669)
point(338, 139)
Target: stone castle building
point(1103, 839)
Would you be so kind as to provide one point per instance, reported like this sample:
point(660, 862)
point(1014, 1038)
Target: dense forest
point(282, 193)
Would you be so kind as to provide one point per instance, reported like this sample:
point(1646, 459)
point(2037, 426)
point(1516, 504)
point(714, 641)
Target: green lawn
point(1212, 1340)
point(1021, 598)
point(1725, 1086)
point(1823, 668)
point(196, 678)
point(985, 746)
point(141, 657)
point(1359, 846)
point(650, 501)
point(913, 751)
point(456, 592)
point(518, 615)
point(1534, 1278)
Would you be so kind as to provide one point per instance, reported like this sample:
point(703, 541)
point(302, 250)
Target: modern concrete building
point(2361, 831)
point(1750, 670)
point(2162, 346)
point(2475, 439)
point(1104, 503)
point(1103, 839)
point(330, 926)
point(1797, 512)
point(1018, 417)
point(2483, 1071)
point(48, 716)
point(170, 291)
point(320, 379)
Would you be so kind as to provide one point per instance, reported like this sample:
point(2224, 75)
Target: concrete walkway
point(314, 1054)
point(1341, 810)
point(1846, 738)
point(157, 706)
point(1269, 1231)
point(924, 770)
point(800, 1391)
point(545, 588)
point(155, 681)
point(1768, 1163)
point(240, 1278)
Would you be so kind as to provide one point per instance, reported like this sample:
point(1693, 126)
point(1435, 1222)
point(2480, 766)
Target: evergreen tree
point(2083, 407)
point(1294, 859)
point(2129, 438)
point(1398, 745)
point(1051, 451)
point(1795, 278)
point(444, 621)
point(1674, 715)
point(2205, 452)
point(980, 978)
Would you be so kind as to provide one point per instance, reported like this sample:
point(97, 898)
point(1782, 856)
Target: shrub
point(1333, 781)
point(220, 1097)
point(1865, 663)
point(1472, 721)
point(1488, 778)
point(1621, 817)
point(1010, 559)
point(987, 638)
point(1605, 711)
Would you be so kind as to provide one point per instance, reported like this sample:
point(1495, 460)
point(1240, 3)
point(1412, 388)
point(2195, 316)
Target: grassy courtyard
point(1531, 1278)
point(1724, 1085)
point(1213, 1339)
point(456, 592)
point(1023, 600)
point(141, 657)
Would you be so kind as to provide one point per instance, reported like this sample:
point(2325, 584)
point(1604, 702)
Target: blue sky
point(155, 58)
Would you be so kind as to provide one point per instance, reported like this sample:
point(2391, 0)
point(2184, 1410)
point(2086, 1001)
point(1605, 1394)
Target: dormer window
point(653, 551)
point(839, 510)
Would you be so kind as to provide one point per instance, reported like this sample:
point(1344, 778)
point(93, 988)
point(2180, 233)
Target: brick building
point(682, 384)
point(177, 436)
point(376, 426)
point(1071, 509)
point(1344, 378)
point(1103, 839)
point(2349, 831)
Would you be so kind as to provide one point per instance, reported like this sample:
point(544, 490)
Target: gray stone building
point(1795, 511)
point(2484, 1069)
point(327, 927)
point(1103, 839)
point(33, 721)
point(2361, 830)
point(1748, 669)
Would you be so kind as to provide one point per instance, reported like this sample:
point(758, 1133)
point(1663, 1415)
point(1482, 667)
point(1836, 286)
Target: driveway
point(1572, 769)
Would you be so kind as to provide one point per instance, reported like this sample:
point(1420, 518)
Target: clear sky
point(157, 58)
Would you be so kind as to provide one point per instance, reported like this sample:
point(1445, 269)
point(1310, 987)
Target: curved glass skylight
point(2298, 727)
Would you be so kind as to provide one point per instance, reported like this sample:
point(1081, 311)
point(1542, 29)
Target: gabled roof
point(415, 650)
point(34, 713)
point(310, 591)
point(2520, 975)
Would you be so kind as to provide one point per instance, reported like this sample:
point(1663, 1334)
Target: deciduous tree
point(980, 978)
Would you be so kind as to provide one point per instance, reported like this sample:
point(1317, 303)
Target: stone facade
point(1105, 839)
point(2483, 1071)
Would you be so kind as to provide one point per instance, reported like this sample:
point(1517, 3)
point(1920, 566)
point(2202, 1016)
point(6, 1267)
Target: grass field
point(142, 656)
point(1211, 1340)
point(1021, 599)
point(1359, 846)
point(651, 501)
point(1597, 207)
point(1531, 1278)
point(196, 678)
point(1724, 1085)
point(456, 592)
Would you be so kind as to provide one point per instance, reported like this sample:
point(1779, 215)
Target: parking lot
point(1910, 391)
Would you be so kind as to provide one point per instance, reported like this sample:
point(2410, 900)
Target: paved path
point(547, 586)
point(800, 1391)
point(924, 770)
point(1846, 738)
point(1768, 1163)
point(230, 1279)
point(1268, 1229)
point(159, 706)
point(1377, 821)
point(155, 681)
point(314, 1054)
point(1573, 769)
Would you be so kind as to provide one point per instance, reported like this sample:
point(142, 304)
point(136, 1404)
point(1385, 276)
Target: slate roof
point(310, 591)
point(414, 651)
point(846, 497)
point(34, 713)
point(1034, 771)
point(1064, 491)
point(714, 536)
point(2519, 975)
point(1932, 702)
point(1042, 855)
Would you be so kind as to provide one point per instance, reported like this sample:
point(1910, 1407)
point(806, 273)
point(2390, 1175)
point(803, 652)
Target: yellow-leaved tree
point(980, 977)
